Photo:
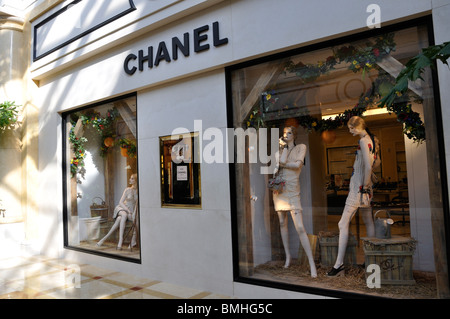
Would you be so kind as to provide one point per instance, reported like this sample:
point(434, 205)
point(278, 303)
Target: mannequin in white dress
point(290, 160)
point(360, 190)
point(125, 210)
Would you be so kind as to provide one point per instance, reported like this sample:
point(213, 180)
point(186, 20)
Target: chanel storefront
point(162, 123)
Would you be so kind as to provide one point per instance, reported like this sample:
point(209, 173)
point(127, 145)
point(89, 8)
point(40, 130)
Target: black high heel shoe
point(336, 272)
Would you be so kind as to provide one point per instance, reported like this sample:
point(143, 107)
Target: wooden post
point(436, 203)
point(109, 183)
point(78, 131)
point(244, 216)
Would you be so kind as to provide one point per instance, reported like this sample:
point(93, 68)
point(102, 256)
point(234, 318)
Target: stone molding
point(8, 22)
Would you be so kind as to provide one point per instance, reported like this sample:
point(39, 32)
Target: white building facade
point(175, 77)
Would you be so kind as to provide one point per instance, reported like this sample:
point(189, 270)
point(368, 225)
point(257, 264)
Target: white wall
point(192, 247)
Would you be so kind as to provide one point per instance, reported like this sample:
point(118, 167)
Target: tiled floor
point(39, 277)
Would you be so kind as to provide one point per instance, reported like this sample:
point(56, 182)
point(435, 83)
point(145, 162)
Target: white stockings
point(298, 223)
point(120, 222)
point(344, 225)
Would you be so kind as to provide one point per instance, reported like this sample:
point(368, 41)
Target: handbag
point(374, 178)
point(276, 183)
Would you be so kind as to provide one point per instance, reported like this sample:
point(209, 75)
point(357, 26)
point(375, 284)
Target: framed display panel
point(180, 171)
point(101, 179)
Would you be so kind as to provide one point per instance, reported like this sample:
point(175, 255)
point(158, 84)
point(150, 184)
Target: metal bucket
point(383, 225)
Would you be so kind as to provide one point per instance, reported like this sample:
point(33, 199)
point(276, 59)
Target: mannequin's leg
point(367, 217)
point(134, 236)
point(282, 216)
point(123, 222)
point(113, 228)
point(133, 239)
point(344, 225)
point(297, 217)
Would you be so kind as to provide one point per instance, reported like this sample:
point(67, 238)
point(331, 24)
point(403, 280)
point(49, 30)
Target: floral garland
point(79, 151)
point(359, 60)
point(362, 60)
point(105, 126)
point(393, 94)
point(129, 145)
point(311, 123)
point(259, 119)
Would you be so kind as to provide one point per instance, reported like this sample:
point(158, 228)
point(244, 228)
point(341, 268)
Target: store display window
point(347, 203)
point(101, 207)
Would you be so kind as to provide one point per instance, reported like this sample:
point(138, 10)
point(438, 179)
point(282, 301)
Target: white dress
point(355, 198)
point(129, 201)
point(289, 198)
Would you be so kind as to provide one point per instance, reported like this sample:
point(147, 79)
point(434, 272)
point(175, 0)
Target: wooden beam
point(435, 190)
point(78, 130)
point(127, 115)
point(394, 67)
point(270, 73)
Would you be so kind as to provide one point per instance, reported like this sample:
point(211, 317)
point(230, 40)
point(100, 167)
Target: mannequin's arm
point(367, 163)
point(298, 162)
point(133, 216)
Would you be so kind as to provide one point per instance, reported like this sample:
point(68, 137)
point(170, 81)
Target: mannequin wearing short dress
point(128, 202)
point(360, 191)
point(290, 160)
point(355, 198)
point(125, 210)
point(289, 198)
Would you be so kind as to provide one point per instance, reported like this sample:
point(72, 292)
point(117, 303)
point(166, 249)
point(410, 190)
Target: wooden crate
point(302, 257)
point(394, 256)
point(328, 245)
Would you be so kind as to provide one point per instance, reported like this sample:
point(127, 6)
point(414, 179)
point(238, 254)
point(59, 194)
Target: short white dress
point(289, 198)
point(130, 201)
point(355, 198)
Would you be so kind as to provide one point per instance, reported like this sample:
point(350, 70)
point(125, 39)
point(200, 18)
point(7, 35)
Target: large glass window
point(330, 209)
point(101, 183)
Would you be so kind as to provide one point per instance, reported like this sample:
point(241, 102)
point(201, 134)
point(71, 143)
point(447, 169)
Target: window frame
point(426, 21)
point(66, 212)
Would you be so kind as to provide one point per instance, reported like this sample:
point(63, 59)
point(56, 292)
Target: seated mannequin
point(125, 210)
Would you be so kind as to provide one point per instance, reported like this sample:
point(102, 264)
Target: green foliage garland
point(105, 126)
point(79, 152)
point(413, 126)
point(358, 59)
